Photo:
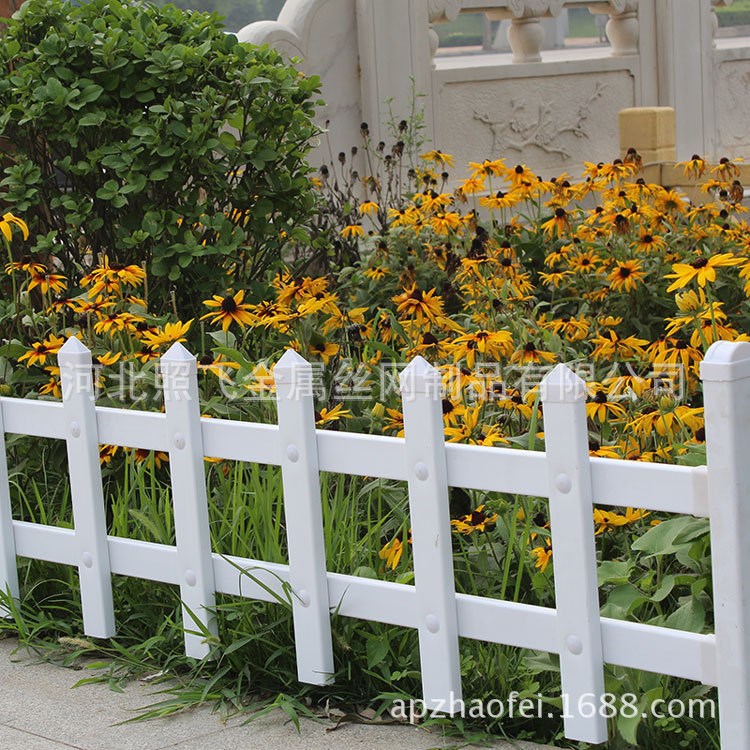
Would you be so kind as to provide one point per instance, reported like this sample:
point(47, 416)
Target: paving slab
point(41, 710)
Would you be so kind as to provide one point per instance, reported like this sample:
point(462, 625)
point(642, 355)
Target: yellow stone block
point(650, 131)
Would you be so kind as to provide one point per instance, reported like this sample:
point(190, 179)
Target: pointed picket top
point(420, 378)
point(178, 354)
point(562, 386)
point(726, 360)
point(73, 352)
point(290, 362)
point(293, 376)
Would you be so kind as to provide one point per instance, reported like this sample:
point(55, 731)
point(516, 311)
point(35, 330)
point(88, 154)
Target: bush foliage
point(150, 135)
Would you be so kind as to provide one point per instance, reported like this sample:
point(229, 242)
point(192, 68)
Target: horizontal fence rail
point(565, 474)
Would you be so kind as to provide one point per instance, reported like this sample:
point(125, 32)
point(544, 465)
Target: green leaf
point(670, 536)
point(377, 649)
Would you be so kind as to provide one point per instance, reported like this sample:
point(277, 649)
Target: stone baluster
point(714, 18)
point(526, 33)
point(441, 11)
point(623, 30)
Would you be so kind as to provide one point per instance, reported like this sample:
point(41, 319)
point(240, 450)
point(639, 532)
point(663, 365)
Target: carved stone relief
point(551, 124)
point(733, 109)
point(542, 125)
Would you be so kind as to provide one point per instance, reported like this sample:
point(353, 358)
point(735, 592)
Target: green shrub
point(150, 135)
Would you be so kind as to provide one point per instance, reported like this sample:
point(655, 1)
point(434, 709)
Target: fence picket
point(574, 629)
point(304, 519)
point(86, 491)
point(8, 570)
point(726, 392)
point(182, 406)
point(574, 554)
point(431, 535)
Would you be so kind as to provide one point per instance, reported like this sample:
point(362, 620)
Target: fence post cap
point(177, 354)
point(726, 360)
point(290, 363)
point(562, 386)
point(419, 377)
point(74, 352)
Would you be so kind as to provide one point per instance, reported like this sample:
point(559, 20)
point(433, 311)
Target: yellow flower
point(46, 281)
point(600, 409)
point(702, 269)
point(606, 521)
point(8, 222)
point(496, 344)
point(218, 366)
point(228, 310)
point(170, 333)
point(438, 157)
point(626, 275)
point(694, 168)
point(108, 358)
point(477, 520)
point(324, 349)
point(391, 553)
point(420, 305)
point(368, 208)
point(543, 556)
point(41, 350)
point(353, 230)
point(324, 416)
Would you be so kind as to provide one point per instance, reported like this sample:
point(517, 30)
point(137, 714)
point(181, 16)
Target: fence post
point(87, 496)
point(726, 392)
point(431, 535)
point(8, 569)
point(304, 519)
point(192, 531)
point(572, 524)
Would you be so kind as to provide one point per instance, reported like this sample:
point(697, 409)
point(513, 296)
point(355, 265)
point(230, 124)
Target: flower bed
point(493, 283)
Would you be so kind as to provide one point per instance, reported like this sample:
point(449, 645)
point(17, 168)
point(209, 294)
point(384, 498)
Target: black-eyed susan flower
point(529, 354)
point(496, 344)
point(324, 349)
point(610, 345)
point(600, 409)
point(330, 416)
point(694, 168)
point(542, 556)
point(171, 333)
point(229, 309)
point(40, 350)
point(626, 275)
point(470, 430)
point(422, 306)
point(702, 270)
point(436, 156)
point(391, 553)
point(478, 521)
point(352, 231)
point(47, 281)
point(606, 520)
point(488, 168)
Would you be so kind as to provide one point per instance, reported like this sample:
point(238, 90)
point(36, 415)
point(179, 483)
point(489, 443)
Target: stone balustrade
point(551, 109)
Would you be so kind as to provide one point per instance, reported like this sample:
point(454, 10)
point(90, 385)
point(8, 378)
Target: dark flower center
point(228, 305)
point(699, 263)
point(601, 397)
point(624, 272)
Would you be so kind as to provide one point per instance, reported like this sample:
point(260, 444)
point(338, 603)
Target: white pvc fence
point(565, 474)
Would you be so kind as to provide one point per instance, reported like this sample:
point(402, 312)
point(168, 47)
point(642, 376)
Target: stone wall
point(549, 109)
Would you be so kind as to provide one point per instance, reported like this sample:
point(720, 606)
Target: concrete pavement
point(40, 711)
